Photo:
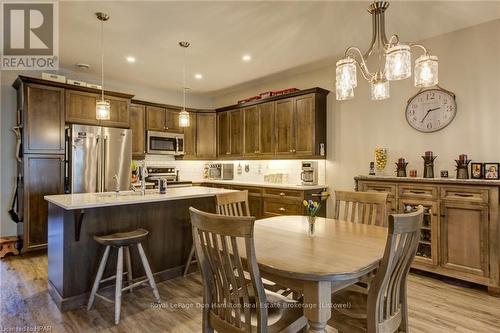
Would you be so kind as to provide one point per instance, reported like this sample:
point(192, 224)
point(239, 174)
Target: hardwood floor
point(434, 306)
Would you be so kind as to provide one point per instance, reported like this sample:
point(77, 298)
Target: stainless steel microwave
point(165, 143)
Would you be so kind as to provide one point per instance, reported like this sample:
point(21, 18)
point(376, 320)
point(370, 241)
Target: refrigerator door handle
point(99, 173)
point(104, 164)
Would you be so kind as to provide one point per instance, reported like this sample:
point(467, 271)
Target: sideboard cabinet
point(460, 235)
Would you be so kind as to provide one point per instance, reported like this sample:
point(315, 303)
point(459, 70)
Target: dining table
point(336, 256)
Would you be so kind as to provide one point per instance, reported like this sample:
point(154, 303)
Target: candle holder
point(462, 168)
point(401, 167)
point(429, 165)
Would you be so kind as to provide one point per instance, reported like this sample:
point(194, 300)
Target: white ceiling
point(278, 35)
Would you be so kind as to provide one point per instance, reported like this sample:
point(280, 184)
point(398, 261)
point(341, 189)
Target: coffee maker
point(309, 174)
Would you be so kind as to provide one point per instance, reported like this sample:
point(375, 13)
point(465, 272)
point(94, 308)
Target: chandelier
point(102, 106)
point(184, 115)
point(393, 59)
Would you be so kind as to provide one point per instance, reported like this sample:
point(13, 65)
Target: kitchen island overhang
point(74, 219)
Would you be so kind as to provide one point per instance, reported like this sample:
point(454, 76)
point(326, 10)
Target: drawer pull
point(282, 194)
point(417, 192)
point(463, 195)
point(282, 209)
point(379, 189)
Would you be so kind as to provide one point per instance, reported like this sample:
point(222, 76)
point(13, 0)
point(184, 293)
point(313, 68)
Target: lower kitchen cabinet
point(460, 235)
point(269, 202)
point(42, 175)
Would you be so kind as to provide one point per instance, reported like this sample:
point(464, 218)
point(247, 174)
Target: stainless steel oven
point(165, 143)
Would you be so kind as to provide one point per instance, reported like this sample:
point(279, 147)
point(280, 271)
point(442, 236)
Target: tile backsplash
point(193, 170)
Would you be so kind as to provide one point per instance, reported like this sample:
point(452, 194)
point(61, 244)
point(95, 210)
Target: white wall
point(8, 119)
point(469, 66)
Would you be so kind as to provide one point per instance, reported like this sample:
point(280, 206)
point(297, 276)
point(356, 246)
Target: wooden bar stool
point(122, 241)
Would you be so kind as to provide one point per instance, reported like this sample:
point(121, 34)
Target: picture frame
point(490, 170)
point(476, 171)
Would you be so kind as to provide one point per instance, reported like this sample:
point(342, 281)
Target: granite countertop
point(264, 184)
point(485, 182)
point(106, 199)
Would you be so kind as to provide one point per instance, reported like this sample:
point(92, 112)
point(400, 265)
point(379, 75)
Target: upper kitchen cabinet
point(162, 119)
point(289, 126)
point(138, 126)
point(41, 114)
point(285, 127)
point(190, 137)
point(80, 109)
point(230, 134)
point(206, 135)
point(223, 134)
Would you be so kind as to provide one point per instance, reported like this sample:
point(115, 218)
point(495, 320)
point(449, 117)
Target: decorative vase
point(381, 159)
point(312, 225)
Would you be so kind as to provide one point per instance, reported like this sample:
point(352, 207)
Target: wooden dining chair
point(229, 204)
point(362, 207)
point(225, 249)
point(383, 308)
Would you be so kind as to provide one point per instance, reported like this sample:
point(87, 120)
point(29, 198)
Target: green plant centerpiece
point(312, 210)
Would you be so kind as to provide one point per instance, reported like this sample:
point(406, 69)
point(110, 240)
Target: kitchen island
point(74, 219)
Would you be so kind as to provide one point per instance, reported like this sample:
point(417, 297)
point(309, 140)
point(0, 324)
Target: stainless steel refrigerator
point(99, 158)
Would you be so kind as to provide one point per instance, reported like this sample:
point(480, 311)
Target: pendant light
point(102, 107)
point(184, 120)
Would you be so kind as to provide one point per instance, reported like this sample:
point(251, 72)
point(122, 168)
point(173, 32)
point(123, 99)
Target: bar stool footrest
point(104, 298)
point(135, 284)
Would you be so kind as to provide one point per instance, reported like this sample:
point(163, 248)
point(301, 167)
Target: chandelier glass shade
point(394, 61)
point(426, 71)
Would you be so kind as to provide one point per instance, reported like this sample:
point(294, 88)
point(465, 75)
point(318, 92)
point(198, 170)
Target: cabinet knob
point(228, 153)
point(282, 194)
point(282, 209)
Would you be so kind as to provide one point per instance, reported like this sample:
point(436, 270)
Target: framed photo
point(491, 170)
point(476, 170)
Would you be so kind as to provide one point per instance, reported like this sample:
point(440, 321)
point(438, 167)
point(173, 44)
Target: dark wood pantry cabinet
point(44, 109)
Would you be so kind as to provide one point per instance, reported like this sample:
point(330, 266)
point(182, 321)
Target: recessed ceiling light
point(198, 76)
point(131, 59)
point(247, 57)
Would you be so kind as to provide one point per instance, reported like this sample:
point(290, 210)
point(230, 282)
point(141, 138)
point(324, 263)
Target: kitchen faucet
point(117, 186)
point(143, 173)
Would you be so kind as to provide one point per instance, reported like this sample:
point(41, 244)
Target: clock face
point(431, 110)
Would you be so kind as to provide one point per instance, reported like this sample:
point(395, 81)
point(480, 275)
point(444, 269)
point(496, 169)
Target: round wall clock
point(431, 110)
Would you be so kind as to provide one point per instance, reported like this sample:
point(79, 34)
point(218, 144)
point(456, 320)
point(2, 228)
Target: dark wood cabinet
point(285, 127)
point(223, 134)
point(236, 133)
point(155, 118)
point(230, 134)
point(119, 112)
point(190, 137)
point(172, 120)
point(42, 118)
point(162, 119)
point(251, 131)
point(304, 125)
point(43, 175)
point(138, 127)
point(80, 109)
point(206, 135)
point(266, 129)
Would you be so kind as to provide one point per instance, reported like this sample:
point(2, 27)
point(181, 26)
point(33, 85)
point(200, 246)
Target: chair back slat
point(387, 293)
point(232, 203)
point(361, 207)
point(225, 289)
